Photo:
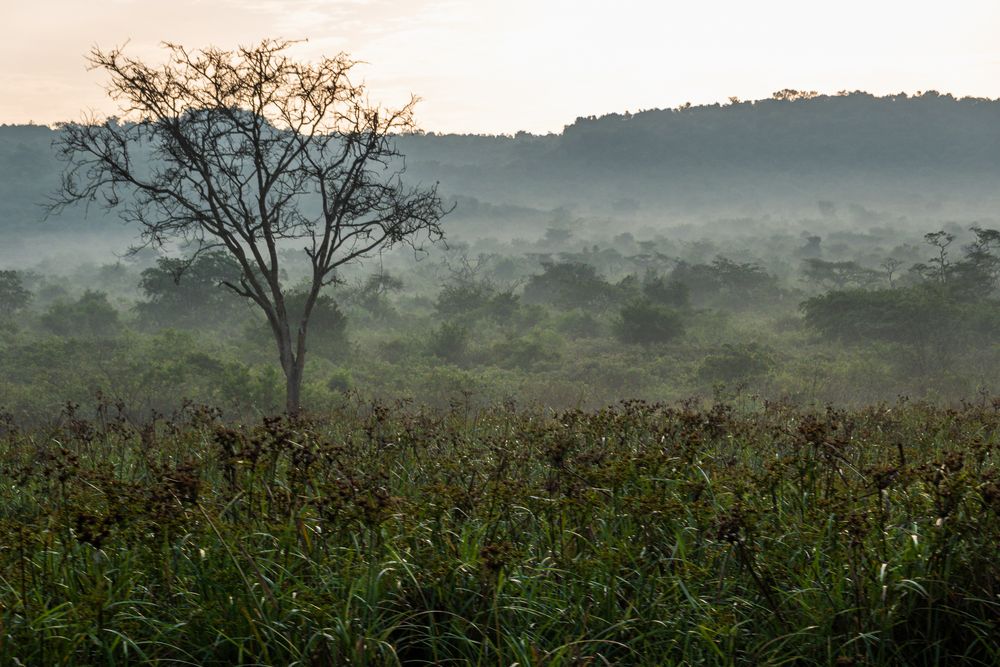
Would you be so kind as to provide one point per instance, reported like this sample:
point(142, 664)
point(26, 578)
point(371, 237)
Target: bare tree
point(253, 152)
point(940, 240)
point(891, 266)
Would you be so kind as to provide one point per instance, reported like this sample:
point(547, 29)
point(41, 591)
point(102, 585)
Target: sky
point(501, 66)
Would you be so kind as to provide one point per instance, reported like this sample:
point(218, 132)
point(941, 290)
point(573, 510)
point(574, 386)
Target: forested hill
point(880, 151)
point(930, 152)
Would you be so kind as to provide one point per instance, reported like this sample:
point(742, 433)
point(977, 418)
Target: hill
point(928, 156)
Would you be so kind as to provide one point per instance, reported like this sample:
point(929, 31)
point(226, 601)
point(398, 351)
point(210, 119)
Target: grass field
point(386, 534)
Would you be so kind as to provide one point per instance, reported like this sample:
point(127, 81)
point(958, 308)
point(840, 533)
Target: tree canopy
point(251, 152)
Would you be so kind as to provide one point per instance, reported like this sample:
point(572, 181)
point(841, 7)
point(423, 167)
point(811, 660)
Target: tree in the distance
point(646, 323)
point(90, 316)
point(252, 152)
point(13, 295)
point(183, 293)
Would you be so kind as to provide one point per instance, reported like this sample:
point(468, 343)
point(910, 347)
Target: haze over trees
point(922, 156)
point(231, 145)
point(708, 385)
point(779, 247)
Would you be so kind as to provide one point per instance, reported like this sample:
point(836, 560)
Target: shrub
point(340, 380)
point(733, 363)
point(671, 293)
point(89, 316)
point(568, 285)
point(580, 324)
point(189, 293)
point(727, 283)
point(327, 324)
point(13, 295)
point(913, 316)
point(450, 341)
point(526, 352)
point(647, 323)
point(462, 298)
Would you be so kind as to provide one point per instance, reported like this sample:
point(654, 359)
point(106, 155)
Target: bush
point(462, 298)
point(670, 293)
point(89, 316)
point(473, 300)
point(647, 323)
point(340, 380)
point(327, 326)
point(526, 352)
point(580, 324)
point(450, 341)
point(724, 283)
point(189, 293)
point(733, 363)
point(918, 315)
point(13, 295)
point(568, 285)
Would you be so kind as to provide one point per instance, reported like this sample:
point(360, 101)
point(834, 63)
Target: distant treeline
point(848, 145)
point(797, 148)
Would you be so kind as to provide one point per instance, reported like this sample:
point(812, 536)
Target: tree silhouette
point(251, 152)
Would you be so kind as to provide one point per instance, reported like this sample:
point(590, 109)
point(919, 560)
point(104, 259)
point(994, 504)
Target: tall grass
point(640, 534)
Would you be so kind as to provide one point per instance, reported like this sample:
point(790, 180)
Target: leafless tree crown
point(252, 151)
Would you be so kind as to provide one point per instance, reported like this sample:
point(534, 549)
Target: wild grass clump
point(638, 534)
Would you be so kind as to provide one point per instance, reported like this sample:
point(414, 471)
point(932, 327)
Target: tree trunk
point(293, 388)
point(293, 366)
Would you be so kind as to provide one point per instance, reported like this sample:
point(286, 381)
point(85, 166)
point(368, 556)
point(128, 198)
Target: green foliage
point(736, 363)
point(463, 299)
point(931, 340)
point(373, 294)
point(13, 295)
point(837, 275)
point(726, 283)
point(327, 327)
point(471, 295)
point(504, 306)
point(341, 380)
point(327, 324)
point(526, 352)
point(580, 323)
point(975, 276)
point(671, 293)
point(190, 293)
point(89, 316)
point(647, 323)
point(568, 285)
point(450, 341)
point(912, 316)
point(640, 534)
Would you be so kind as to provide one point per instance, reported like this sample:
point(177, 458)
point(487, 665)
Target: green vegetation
point(857, 153)
point(387, 534)
point(793, 305)
point(600, 320)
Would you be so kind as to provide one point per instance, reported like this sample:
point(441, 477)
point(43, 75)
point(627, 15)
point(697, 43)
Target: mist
point(663, 254)
point(286, 378)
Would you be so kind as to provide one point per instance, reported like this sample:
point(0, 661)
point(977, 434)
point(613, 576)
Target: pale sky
point(498, 66)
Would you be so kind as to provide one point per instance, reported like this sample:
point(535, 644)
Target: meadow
point(389, 533)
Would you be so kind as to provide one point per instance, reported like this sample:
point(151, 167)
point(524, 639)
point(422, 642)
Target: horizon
point(497, 69)
point(729, 102)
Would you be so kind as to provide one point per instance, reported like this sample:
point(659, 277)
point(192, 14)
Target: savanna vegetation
point(455, 493)
point(391, 534)
point(569, 323)
point(710, 385)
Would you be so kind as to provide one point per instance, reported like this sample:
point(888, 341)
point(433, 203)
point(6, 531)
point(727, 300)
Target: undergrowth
point(385, 534)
